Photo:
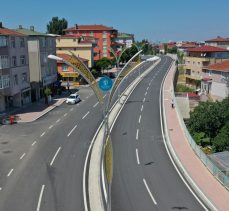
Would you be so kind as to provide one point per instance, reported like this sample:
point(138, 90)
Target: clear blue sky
point(156, 20)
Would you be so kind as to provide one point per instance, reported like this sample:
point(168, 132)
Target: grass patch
point(183, 88)
point(108, 160)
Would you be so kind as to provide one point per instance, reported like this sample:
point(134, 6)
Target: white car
point(73, 99)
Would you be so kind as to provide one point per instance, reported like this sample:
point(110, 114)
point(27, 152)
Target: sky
point(155, 20)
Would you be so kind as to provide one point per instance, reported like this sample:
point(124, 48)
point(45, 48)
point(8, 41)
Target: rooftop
point(207, 48)
point(222, 67)
point(30, 32)
point(94, 27)
point(7, 32)
point(218, 39)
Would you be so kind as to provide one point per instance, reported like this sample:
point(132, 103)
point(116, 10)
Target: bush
point(183, 88)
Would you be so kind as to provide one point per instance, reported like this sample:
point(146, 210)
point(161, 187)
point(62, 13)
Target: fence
point(221, 176)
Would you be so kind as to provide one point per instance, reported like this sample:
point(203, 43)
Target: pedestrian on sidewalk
point(172, 103)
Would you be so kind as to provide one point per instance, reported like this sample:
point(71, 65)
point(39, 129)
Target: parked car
point(73, 99)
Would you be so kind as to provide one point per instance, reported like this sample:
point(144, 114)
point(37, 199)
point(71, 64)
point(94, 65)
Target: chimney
point(76, 26)
point(20, 26)
point(31, 28)
point(1, 25)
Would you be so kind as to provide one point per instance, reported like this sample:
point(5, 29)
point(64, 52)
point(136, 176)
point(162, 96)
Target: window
point(24, 77)
point(22, 60)
point(14, 61)
point(210, 72)
point(3, 41)
point(12, 41)
point(4, 62)
point(22, 42)
point(64, 68)
point(15, 80)
point(4, 81)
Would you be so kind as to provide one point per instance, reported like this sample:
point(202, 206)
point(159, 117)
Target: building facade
point(80, 46)
point(215, 80)
point(14, 70)
point(105, 35)
point(126, 39)
point(219, 42)
point(200, 57)
point(43, 71)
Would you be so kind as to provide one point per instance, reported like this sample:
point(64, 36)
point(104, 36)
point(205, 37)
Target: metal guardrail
point(220, 175)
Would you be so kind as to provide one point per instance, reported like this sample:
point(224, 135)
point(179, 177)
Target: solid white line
point(10, 172)
point(137, 134)
point(55, 156)
point(22, 156)
point(85, 114)
point(65, 114)
point(57, 120)
point(142, 108)
point(139, 120)
point(151, 196)
point(34, 143)
point(95, 105)
point(40, 197)
point(72, 130)
point(43, 134)
point(137, 157)
point(144, 99)
point(51, 126)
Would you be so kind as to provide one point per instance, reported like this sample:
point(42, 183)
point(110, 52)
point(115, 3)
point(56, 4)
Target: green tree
point(221, 141)
point(103, 63)
point(166, 48)
point(56, 26)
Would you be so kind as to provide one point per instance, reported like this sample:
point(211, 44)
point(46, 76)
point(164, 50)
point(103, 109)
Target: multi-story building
point(105, 35)
point(200, 57)
point(43, 71)
point(14, 69)
point(80, 46)
point(215, 80)
point(219, 42)
point(126, 39)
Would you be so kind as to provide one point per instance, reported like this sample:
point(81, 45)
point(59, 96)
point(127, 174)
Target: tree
point(103, 63)
point(56, 26)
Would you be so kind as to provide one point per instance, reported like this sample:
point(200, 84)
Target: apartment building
point(105, 35)
point(80, 46)
point(14, 70)
point(219, 42)
point(43, 71)
point(126, 39)
point(215, 80)
point(200, 57)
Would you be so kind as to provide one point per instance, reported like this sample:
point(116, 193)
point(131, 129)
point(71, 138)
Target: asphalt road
point(144, 177)
point(42, 162)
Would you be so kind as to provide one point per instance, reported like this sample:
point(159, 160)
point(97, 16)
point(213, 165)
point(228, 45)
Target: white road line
point(10, 172)
point(72, 130)
point(43, 134)
point(57, 120)
point(145, 93)
point(147, 88)
point(144, 100)
point(138, 162)
point(22, 156)
point(0, 188)
point(71, 109)
point(87, 97)
point(95, 105)
point(85, 115)
point(151, 196)
point(34, 143)
point(51, 126)
point(40, 197)
point(55, 156)
point(139, 120)
point(142, 108)
point(104, 96)
point(137, 134)
point(65, 114)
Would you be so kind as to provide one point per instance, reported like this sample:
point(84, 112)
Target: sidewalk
point(207, 183)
